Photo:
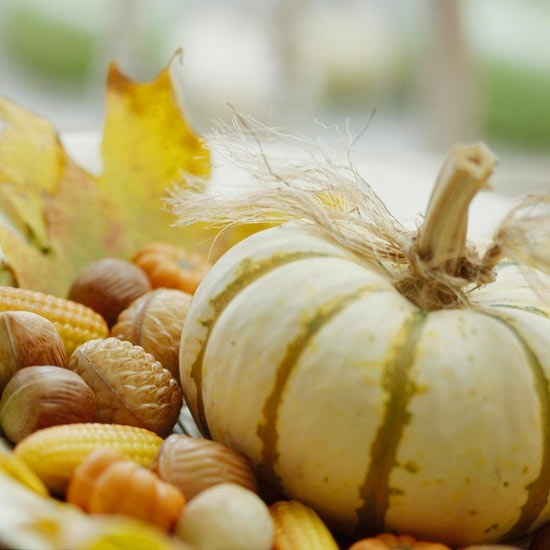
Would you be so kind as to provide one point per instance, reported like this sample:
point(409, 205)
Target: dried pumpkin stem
point(442, 264)
point(441, 240)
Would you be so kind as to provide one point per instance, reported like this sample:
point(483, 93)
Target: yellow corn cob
point(18, 470)
point(53, 453)
point(298, 527)
point(75, 322)
point(126, 534)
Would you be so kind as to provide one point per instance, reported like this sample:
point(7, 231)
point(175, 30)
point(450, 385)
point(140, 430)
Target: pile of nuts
point(130, 378)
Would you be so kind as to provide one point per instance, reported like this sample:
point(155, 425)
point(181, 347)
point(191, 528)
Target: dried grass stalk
point(292, 179)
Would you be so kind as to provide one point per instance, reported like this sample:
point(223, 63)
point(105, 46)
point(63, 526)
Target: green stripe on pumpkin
point(539, 489)
point(247, 272)
point(527, 309)
point(375, 490)
point(267, 428)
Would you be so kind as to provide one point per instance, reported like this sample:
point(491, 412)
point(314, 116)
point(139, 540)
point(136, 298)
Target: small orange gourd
point(106, 482)
point(169, 266)
point(388, 541)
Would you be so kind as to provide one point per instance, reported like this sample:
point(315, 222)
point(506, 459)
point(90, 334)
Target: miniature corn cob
point(75, 322)
point(53, 453)
point(17, 469)
point(298, 527)
point(125, 533)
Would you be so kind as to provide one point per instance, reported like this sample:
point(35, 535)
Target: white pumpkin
point(380, 414)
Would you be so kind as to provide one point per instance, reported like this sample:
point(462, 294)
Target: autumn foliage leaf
point(55, 217)
point(147, 145)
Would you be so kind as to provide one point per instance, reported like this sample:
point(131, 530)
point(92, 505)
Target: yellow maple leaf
point(55, 217)
point(31, 159)
point(148, 144)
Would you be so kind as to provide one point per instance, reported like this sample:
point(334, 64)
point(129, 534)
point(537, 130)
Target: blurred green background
point(433, 72)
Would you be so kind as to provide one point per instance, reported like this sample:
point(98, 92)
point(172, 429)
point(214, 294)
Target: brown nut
point(28, 339)
point(109, 286)
point(154, 321)
point(130, 385)
point(539, 541)
point(193, 464)
point(41, 396)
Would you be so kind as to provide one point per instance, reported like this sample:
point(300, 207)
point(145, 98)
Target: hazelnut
point(41, 396)
point(130, 385)
point(28, 339)
point(154, 321)
point(109, 286)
